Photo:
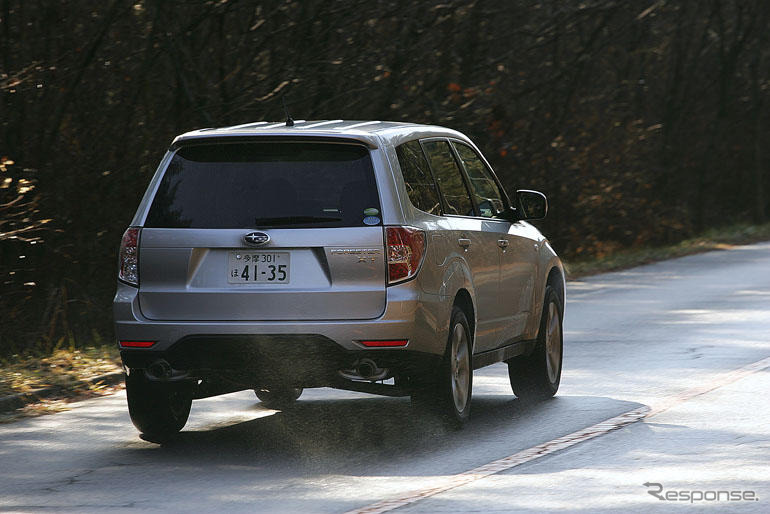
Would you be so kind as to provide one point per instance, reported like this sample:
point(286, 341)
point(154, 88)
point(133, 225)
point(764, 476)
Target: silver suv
point(370, 256)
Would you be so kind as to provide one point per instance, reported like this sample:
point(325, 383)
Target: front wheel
point(278, 398)
point(158, 410)
point(537, 376)
point(449, 393)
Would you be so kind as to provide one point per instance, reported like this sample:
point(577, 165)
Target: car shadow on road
point(354, 434)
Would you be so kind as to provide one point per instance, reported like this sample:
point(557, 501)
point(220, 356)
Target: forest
point(643, 121)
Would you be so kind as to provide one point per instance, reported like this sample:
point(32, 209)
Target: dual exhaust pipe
point(363, 369)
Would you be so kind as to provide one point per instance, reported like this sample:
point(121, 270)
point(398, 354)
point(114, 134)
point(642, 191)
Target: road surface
point(676, 354)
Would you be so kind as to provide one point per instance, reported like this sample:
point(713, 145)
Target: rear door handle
point(502, 243)
point(465, 243)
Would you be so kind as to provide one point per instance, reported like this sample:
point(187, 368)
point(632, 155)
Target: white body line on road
point(555, 445)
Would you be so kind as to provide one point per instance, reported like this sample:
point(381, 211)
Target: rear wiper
point(290, 220)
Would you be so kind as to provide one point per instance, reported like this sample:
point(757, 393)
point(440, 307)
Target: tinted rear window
point(251, 185)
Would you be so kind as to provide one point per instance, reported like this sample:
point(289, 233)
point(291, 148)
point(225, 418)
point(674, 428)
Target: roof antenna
point(289, 121)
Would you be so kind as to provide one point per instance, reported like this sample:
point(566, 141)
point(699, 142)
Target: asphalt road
point(664, 340)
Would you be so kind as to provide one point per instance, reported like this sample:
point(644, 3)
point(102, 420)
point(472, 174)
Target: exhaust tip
point(366, 368)
point(159, 369)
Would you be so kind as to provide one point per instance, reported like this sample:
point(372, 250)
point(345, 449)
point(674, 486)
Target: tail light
point(129, 257)
point(406, 249)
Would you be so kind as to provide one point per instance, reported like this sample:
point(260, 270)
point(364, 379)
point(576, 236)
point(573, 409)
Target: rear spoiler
point(198, 139)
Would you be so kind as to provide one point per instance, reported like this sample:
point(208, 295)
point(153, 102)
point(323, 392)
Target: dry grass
point(715, 239)
point(59, 403)
point(66, 368)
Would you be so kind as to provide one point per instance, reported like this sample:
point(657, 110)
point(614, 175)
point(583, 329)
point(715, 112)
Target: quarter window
point(449, 178)
point(417, 178)
point(483, 187)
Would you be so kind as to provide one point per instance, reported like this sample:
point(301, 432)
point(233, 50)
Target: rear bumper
point(249, 362)
point(410, 314)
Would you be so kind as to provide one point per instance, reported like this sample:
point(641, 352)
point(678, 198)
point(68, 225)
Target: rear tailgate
point(318, 205)
point(186, 275)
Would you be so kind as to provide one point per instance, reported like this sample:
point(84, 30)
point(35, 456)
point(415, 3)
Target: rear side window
point(417, 178)
point(267, 184)
point(483, 186)
point(449, 178)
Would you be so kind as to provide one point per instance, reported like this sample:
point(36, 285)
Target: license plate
point(251, 267)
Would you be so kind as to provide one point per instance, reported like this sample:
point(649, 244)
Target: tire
point(449, 392)
point(537, 376)
point(158, 410)
point(278, 398)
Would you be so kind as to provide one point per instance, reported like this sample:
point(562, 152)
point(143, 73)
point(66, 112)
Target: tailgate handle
point(465, 243)
point(502, 243)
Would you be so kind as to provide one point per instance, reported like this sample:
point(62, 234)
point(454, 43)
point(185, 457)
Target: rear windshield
point(269, 184)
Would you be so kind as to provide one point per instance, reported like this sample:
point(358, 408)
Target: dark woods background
point(643, 121)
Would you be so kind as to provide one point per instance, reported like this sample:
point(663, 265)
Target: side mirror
point(532, 205)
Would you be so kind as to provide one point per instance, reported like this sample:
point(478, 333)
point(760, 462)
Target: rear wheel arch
point(464, 301)
point(447, 389)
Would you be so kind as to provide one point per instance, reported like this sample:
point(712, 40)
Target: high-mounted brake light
point(136, 344)
point(406, 249)
point(129, 257)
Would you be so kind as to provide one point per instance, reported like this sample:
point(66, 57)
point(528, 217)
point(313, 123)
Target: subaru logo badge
point(256, 238)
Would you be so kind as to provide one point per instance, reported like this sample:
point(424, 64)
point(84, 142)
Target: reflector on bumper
point(387, 343)
point(136, 344)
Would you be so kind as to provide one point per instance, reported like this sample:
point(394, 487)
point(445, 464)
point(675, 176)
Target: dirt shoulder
point(34, 384)
point(723, 238)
